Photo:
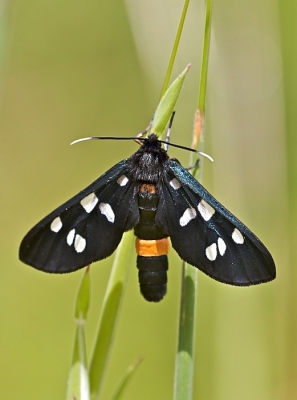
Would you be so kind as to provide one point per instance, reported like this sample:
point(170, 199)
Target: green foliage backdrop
point(74, 69)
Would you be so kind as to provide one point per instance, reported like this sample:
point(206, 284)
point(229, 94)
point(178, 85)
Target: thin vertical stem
point(109, 315)
point(184, 366)
point(175, 47)
point(205, 56)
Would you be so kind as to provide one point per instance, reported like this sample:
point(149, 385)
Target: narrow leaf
point(78, 381)
point(110, 314)
point(126, 378)
point(83, 297)
point(184, 362)
point(184, 365)
point(167, 104)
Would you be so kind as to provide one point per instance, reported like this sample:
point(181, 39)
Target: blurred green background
point(74, 69)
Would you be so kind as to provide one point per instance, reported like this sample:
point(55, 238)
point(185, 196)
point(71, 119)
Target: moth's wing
point(86, 228)
point(207, 235)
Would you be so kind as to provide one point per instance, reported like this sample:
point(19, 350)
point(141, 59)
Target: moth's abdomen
point(152, 264)
point(151, 246)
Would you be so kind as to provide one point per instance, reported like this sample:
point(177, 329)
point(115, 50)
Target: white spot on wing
point(222, 246)
point(211, 252)
point(205, 210)
point(89, 202)
point(70, 237)
point(123, 180)
point(106, 210)
point(56, 225)
point(175, 184)
point(189, 214)
point(79, 243)
point(237, 236)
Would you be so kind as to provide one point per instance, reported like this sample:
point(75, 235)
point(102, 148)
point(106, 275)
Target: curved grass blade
point(126, 378)
point(78, 381)
point(109, 314)
point(167, 104)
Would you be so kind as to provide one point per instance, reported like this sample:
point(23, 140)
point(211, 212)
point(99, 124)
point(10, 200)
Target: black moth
point(157, 197)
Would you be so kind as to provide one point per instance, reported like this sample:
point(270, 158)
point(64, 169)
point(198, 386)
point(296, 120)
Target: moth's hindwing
point(207, 235)
point(86, 228)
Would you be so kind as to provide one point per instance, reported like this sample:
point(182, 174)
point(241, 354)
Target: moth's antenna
point(137, 138)
point(188, 149)
point(105, 138)
point(166, 143)
point(140, 139)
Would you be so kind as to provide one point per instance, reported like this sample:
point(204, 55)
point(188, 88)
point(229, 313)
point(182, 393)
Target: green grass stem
point(126, 378)
point(184, 365)
point(110, 314)
point(175, 47)
point(205, 57)
point(78, 381)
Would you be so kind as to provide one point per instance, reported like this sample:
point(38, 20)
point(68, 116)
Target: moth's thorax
point(147, 164)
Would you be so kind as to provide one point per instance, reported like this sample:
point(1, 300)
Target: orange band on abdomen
point(152, 248)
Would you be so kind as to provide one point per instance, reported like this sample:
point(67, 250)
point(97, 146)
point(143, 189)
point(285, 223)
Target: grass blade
point(126, 378)
point(184, 365)
point(110, 314)
point(167, 104)
point(78, 381)
point(175, 47)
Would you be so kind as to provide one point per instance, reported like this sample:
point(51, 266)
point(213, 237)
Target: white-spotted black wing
point(86, 228)
point(207, 235)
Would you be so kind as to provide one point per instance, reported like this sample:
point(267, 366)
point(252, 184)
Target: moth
point(158, 198)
